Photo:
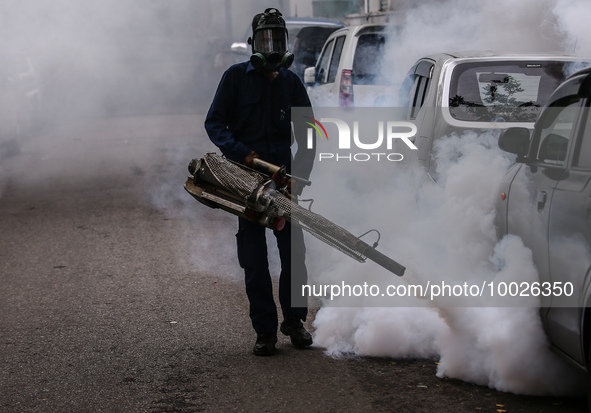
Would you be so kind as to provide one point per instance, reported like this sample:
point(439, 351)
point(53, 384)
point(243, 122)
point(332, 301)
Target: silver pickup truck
point(546, 200)
point(456, 92)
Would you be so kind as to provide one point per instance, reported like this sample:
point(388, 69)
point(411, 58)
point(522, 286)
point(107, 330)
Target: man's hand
point(248, 161)
point(293, 187)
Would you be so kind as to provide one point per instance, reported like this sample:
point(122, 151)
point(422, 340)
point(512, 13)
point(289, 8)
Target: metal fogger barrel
point(253, 195)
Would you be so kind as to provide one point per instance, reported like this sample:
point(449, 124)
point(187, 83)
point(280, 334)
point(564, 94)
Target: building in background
point(352, 12)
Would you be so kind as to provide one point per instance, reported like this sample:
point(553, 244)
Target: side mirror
point(310, 75)
point(516, 141)
point(239, 48)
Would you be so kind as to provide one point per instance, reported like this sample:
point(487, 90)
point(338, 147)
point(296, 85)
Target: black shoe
point(265, 345)
point(300, 338)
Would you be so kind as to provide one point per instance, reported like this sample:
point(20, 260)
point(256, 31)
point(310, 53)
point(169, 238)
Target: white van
point(349, 70)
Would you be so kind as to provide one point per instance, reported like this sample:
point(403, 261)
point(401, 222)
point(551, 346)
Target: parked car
point(350, 70)
point(546, 200)
point(478, 90)
point(306, 36)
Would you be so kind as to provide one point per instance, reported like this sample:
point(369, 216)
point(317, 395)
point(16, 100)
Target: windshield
point(503, 91)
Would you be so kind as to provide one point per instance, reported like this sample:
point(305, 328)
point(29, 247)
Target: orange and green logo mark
point(320, 126)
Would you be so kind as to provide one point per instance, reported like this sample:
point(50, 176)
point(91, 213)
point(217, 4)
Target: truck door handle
point(541, 200)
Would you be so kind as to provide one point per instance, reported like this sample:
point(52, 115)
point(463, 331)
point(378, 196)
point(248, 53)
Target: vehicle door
point(325, 92)
point(536, 208)
point(570, 237)
point(532, 191)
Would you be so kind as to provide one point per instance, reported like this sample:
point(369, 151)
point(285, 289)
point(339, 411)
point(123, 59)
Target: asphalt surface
point(120, 293)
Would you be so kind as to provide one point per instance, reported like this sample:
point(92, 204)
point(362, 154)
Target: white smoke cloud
point(448, 232)
point(504, 348)
point(505, 25)
point(109, 59)
point(450, 236)
point(573, 24)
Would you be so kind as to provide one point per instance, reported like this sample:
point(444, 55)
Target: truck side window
point(421, 89)
point(336, 58)
point(423, 74)
point(583, 154)
point(368, 60)
point(556, 128)
point(322, 69)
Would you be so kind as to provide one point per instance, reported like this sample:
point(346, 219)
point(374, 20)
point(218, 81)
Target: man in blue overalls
point(250, 117)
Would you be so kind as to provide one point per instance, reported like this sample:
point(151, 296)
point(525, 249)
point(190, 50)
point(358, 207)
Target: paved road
point(120, 293)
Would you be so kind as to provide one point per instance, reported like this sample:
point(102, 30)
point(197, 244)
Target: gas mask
point(269, 42)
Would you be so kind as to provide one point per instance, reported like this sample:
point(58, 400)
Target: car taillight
point(346, 89)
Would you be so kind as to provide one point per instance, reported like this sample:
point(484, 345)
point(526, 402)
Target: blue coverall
point(251, 113)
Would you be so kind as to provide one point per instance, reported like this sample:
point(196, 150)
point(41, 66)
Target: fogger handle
point(265, 167)
point(386, 262)
point(270, 169)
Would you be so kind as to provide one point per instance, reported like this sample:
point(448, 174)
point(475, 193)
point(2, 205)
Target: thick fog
point(446, 234)
point(453, 25)
point(124, 57)
point(67, 61)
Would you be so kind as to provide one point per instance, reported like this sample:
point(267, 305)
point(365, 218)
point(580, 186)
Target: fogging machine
point(261, 195)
